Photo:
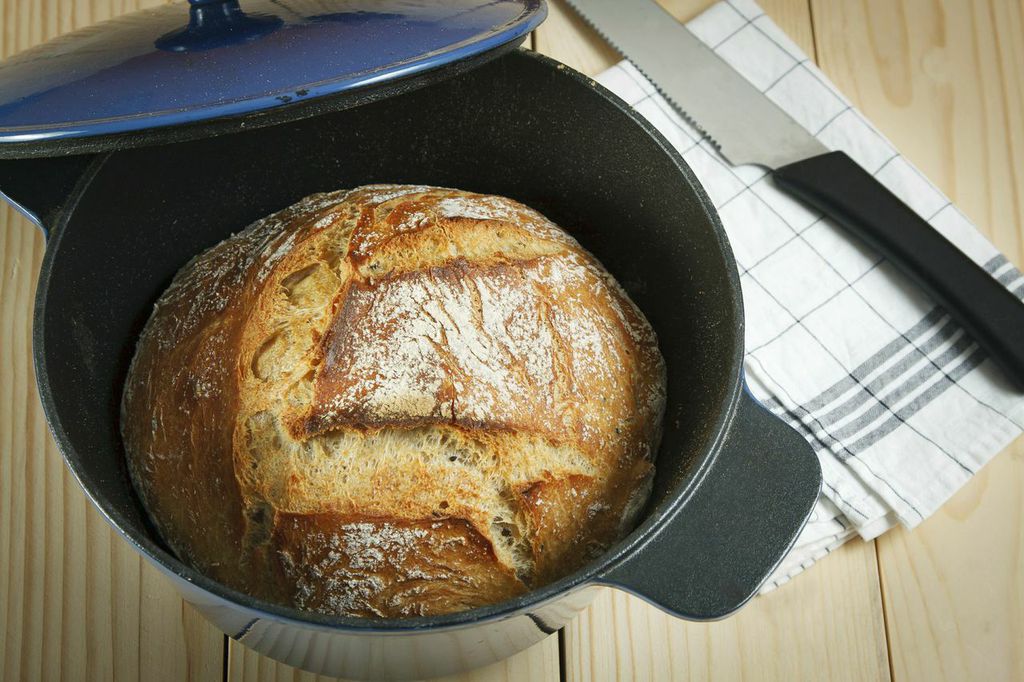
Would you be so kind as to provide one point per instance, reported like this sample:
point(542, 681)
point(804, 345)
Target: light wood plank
point(954, 587)
point(827, 624)
point(945, 80)
point(76, 602)
point(566, 37)
point(539, 663)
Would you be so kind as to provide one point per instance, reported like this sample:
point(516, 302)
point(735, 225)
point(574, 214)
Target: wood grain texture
point(945, 81)
point(826, 625)
point(953, 588)
point(76, 602)
point(567, 38)
point(539, 663)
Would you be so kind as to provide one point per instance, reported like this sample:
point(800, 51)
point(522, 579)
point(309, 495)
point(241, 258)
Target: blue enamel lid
point(209, 59)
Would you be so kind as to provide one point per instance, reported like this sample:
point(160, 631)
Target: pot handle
point(39, 188)
point(726, 539)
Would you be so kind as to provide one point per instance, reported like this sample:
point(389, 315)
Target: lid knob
point(218, 23)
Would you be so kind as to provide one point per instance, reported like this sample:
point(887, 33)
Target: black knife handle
point(835, 184)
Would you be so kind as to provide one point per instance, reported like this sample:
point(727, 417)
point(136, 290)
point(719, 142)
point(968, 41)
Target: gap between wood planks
point(874, 544)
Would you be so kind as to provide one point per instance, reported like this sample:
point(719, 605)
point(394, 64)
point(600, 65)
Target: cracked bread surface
point(393, 401)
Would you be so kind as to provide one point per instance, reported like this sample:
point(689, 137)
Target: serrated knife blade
point(747, 127)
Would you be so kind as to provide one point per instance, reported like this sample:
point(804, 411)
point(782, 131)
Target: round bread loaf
point(393, 401)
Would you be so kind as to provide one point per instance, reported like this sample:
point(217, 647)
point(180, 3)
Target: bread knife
point(748, 128)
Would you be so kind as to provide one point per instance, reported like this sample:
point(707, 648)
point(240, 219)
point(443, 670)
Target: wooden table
point(945, 81)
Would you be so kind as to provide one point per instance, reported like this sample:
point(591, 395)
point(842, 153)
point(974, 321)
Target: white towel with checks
point(900, 405)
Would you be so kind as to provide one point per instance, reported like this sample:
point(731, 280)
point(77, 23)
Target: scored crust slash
point(394, 401)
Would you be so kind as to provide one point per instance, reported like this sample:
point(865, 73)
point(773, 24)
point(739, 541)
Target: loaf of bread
point(393, 401)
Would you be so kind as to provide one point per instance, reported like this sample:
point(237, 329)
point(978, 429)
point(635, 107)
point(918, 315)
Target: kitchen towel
point(900, 404)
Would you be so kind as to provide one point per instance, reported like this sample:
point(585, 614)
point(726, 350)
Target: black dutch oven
point(129, 196)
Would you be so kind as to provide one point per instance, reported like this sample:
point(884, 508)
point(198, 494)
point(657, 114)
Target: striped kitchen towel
point(901, 406)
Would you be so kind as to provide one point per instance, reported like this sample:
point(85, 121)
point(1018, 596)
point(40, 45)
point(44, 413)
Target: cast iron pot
point(734, 484)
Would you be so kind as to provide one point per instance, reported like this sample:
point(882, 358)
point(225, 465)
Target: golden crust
point(393, 401)
point(371, 567)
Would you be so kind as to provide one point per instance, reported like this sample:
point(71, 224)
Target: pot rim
point(589, 575)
